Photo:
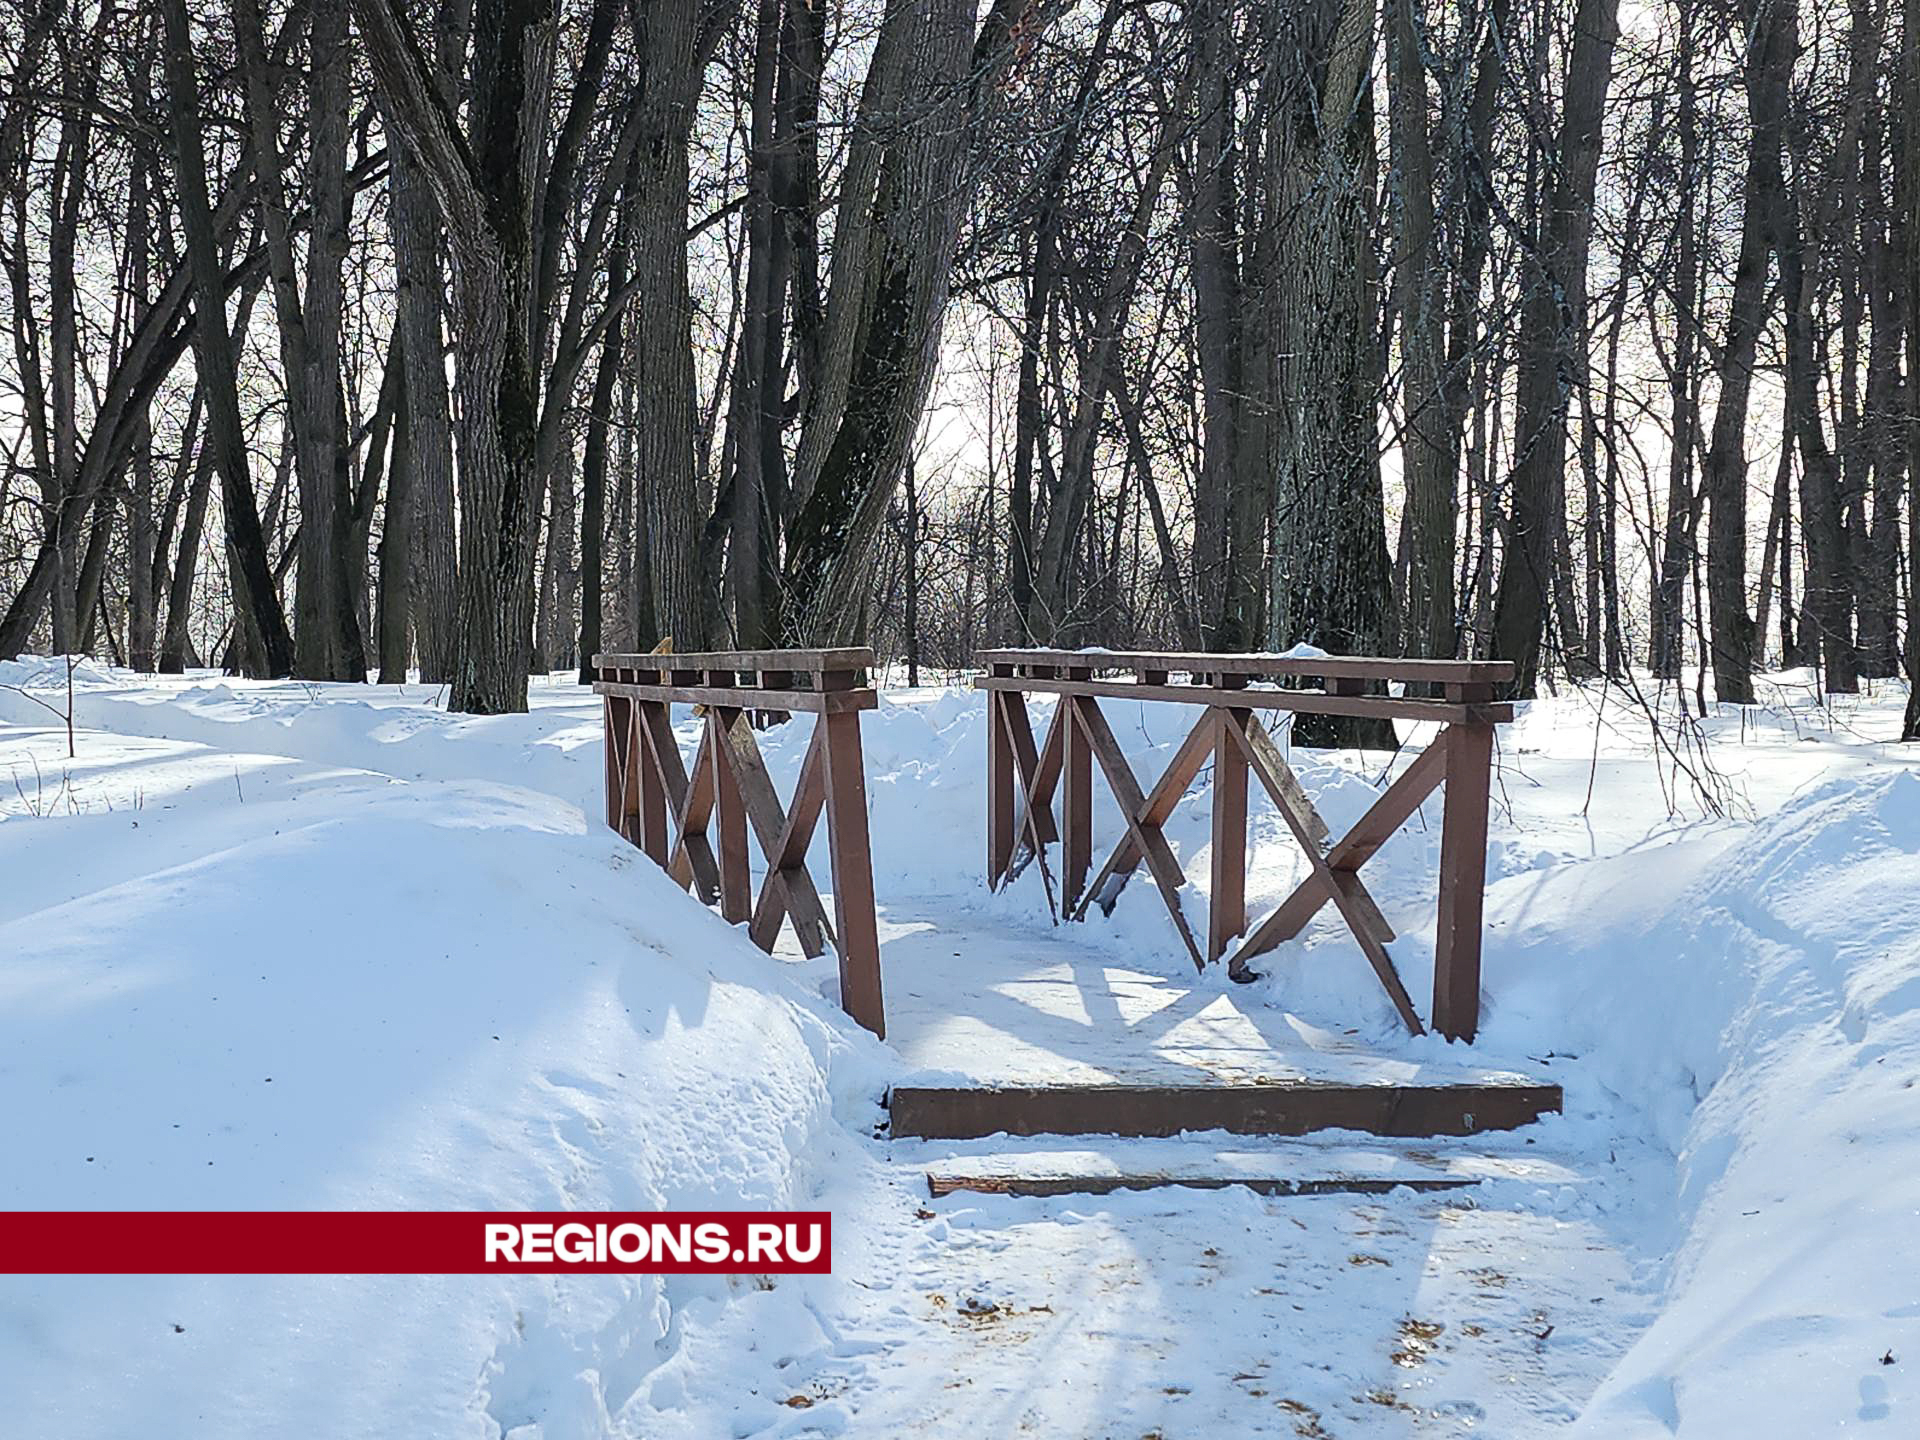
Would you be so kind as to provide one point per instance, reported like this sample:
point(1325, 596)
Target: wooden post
point(1000, 789)
point(730, 814)
point(1463, 879)
point(1076, 804)
point(652, 802)
point(618, 750)
point(853, 917)
point(1227, 910)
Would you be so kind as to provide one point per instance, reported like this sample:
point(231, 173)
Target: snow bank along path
point(285, 946)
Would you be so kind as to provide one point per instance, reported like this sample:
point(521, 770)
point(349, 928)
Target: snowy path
point(1168, 1313)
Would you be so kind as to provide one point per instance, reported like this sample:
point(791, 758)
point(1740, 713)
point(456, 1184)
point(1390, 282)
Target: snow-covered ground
point(292, 946)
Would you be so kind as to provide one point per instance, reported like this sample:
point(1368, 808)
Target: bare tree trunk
point(1428, 447)
point(327, 642)
point(1228, 579)
point(419, 301)
point(1186, 627)
point(754, 419)
point(1667, 645)
point(1828, 589)
point(175, 647)
point(1730, 638)
point(1878, 579)
point(255, 597)
point(143, 537)
point(676, 40)
point(563, 649)
point(1774, 550)
point(1908, 91)
point(397, 541)
point(1330, 567)
point(1552, 347)
point(593, 495)
point(484, 190)
point(909, 174)
point(72, 158)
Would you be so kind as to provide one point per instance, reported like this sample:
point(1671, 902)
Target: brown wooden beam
point(832, 702)
point(788, 888)
point(1313, 702)
point(1038, 773)
point(1383, 818)
point(847, 657)
point(1361, 917)
point(691, 795)
point(1358, 667)
point(1297, 1108)
point(1227, 904)
point(1161, 800)
point(1290, 797)
point(1000, 789)
point(940, 1184)
point(1463, 881)
point(730, 816)
point(1076, 809)
point(1168, 877)
point(853, 906)
point(788, 858)
point(654, 838)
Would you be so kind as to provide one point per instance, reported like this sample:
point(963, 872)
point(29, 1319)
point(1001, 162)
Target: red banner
point(360, 1242)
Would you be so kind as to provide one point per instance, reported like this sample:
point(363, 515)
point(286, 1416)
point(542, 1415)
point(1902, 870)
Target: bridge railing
point(1024, 779)
point(694, 821)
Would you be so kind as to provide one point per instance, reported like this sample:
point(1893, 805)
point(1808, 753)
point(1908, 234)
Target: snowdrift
point(1757, 995)
point(286, 986)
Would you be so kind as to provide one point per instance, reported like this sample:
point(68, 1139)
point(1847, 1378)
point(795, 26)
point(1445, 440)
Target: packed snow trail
point(279, 945)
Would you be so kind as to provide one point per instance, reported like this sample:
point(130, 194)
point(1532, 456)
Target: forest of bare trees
point(345, 340)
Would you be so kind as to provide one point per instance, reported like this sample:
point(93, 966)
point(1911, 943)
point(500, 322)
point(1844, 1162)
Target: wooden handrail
point(1168, 662)
point(1268, 697)
point(852, 657)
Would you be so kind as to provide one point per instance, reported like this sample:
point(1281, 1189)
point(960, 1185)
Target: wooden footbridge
point(1198, 1061)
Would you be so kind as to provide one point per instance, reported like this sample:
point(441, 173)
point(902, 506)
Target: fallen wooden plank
point(1283, 1108)
point(941, 1183)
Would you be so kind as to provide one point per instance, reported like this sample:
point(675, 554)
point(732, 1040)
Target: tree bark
point(909, 175)
point(1908, 89)
point(1667, 636)
point(397, 543)
point(1828, 590)
point(675, 38)
point(1330, 566)
point(593, 495)
point(255, 597)
point(143, 535)
point(483, 186)
point(1427, 446)
point(327, 641)
point(1552, 348)
point(1730, 638)
point(419, 303)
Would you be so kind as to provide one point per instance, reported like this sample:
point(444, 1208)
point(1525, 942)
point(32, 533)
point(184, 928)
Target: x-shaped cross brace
point(1333, 874)
point(1234, 738)
point(728, 780)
